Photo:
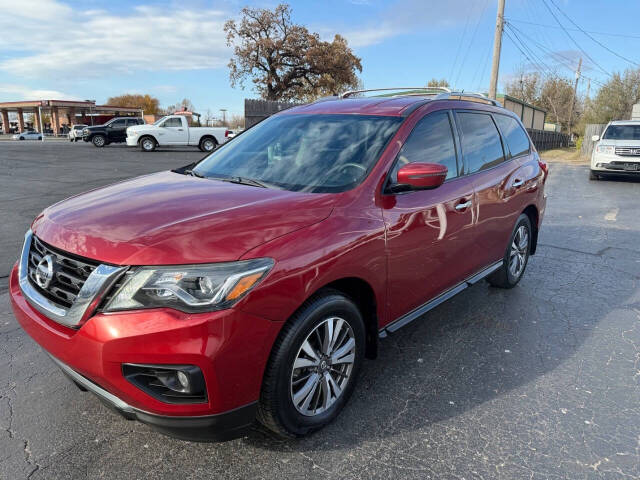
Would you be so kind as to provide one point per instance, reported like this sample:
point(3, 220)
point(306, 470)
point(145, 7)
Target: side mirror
point(422, 176)
point(595, 138)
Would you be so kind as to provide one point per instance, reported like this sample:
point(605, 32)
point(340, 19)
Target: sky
point(172, 50)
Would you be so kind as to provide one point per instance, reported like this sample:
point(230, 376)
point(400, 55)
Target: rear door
point(118, 130)
point(429, 232)
point(494, 172)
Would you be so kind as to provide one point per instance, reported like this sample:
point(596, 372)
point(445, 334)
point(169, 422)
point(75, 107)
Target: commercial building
point(54, 116)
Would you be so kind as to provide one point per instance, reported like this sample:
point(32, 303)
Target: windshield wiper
point(194, 174)
point(247, 181)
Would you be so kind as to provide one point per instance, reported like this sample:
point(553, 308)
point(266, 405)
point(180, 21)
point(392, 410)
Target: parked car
point(28, 135)
point(174, 130)
point(617, 152)
point(253, 283)
point(114, 131)
point(75, 133)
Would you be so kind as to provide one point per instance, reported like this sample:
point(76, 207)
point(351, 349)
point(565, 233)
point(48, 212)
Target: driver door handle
point(462, 206)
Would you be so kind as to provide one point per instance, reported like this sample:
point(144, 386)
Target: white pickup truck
point(173, 131)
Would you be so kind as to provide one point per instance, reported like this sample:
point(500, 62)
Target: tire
point(285, 407)
point(207, 144)
point(76, 139)
point(21, 138)
point(593, 175)
point(70, 139)
point(147, 144)
point(99, 141)
point(517, 251)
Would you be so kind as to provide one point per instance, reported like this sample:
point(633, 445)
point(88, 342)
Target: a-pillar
point(55, 121)
point(20, 121)
point(5, 121)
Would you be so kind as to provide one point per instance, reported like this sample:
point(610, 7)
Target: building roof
point(82, 104)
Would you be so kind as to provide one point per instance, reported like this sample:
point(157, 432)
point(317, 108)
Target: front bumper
point(132, 141)
point(230, 347)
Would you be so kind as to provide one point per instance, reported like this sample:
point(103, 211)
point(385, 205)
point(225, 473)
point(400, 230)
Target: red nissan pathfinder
point(252, 284)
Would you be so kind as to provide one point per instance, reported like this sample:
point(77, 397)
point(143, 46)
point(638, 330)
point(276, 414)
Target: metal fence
point(546, 140)
point(256, 110)
point(590, 130)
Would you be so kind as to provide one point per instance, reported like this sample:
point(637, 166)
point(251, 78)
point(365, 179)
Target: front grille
point(69, 273)
point(628, 151)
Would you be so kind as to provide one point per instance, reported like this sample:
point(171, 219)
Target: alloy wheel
point(147, 144)
point(98, 141)
point(323, 366)
point(519, 251)
point(208, 145)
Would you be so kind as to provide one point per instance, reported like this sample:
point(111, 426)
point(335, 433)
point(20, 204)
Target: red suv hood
point(168, 218)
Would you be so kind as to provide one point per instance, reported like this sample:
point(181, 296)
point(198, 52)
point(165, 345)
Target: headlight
point(189, 288)
point(608, 149)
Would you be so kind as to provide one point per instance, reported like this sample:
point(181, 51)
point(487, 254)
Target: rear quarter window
point(516, 138)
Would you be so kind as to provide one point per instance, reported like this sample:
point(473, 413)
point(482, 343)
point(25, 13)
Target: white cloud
point(26, 93)
point(54, 41)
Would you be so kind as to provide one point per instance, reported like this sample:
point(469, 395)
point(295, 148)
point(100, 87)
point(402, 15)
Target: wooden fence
point(546, 140)
point(587, 144)
point(256, 110)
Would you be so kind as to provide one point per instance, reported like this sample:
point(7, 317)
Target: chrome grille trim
point(81, 300)
point(628, 151)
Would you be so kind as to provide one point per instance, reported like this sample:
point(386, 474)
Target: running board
point(421, 310)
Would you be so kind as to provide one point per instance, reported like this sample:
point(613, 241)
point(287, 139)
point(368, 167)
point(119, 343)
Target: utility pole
point(497, 46)
point(573, 97)
point(224, 116)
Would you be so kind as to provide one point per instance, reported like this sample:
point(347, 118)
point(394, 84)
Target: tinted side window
point(514, 135)
point(481, 145)
point(118, 123)
point(431, 141)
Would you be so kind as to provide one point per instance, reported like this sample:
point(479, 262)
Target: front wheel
point(313, 366)
point(99, 141)
point(593, 175)
point(516, 257)
point(148, 144)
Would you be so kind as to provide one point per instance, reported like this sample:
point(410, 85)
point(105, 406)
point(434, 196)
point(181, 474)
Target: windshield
point(159, 120)
point(306, 153)
point(622, 132)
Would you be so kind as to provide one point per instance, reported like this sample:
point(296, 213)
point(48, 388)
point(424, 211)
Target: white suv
point(617, 152)
point(75, 133)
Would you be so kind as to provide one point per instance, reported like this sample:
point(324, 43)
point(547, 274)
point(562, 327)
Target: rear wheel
point(313, 367)
point(99, 141)
point(207, 144)
point(148, 144)
point(516, 257)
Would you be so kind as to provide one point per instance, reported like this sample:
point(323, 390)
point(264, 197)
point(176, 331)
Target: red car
point(254, 283)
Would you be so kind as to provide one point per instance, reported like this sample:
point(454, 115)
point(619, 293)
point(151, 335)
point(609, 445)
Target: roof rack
point(440, 93)
point(427, 90)
point(464, 95)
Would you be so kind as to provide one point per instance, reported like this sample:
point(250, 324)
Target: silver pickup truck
point(173, 131)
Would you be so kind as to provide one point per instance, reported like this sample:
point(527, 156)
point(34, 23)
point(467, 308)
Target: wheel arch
point(147, 135)
point(532, 212)
point(208, 135)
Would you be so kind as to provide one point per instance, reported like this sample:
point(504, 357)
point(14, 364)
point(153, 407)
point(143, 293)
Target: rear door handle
point(518, 183)
point(462, 206)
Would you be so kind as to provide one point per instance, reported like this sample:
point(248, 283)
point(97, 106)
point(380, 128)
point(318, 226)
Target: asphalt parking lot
point(539, 382)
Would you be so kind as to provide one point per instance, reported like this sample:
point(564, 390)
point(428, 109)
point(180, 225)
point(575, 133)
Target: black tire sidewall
point(142, 144)
point(522, 220)
point(330, 305)
point(104, 141)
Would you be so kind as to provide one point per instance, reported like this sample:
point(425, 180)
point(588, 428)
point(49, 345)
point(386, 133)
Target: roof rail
point(462, 95)
point(427, 90)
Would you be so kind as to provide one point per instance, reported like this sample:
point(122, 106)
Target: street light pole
point(497, 46)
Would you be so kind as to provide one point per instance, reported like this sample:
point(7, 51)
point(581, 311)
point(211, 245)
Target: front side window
point(481, 145)
point(516, 138)
point(117, 124)
point(431, 141)
point(305, 153)
point(622, 132)
point(172, 122)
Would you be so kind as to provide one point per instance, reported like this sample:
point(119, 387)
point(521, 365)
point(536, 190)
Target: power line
point(623, 35)
point(597, 41)
point(473, 36)
point(572, 39)
point(552, 53)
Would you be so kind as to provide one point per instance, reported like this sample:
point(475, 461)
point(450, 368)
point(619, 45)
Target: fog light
point(168, 383)
point(184, 380)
